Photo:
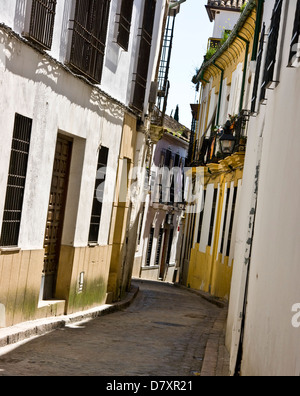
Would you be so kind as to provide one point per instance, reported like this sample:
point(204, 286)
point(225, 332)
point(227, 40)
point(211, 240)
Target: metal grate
point(16, 181)
point(98, 195)
point(42, 22)
point(89, 38)
point(144, 55)
point(125, 24)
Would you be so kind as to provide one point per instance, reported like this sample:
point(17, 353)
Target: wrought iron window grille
point(89, 38)
point(125, 17)
point(16, 182)
point(42, 23)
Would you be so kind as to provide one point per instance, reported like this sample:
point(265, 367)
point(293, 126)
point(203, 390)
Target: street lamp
point(227, 143)
point(227, 140)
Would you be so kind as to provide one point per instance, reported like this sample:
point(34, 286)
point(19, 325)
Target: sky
point(192, 30)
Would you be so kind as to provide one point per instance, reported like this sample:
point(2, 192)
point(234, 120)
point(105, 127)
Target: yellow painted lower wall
point(210, 276)
point(92, 263)
point(21, 276)
point(199, 269)
point(20, 282)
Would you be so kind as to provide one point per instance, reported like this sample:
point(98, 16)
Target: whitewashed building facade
point(75, 77)
point(263, 322)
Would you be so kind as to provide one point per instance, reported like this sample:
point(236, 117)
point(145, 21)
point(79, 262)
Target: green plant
point(210, 53)
point(225, 36)
point(244, 6)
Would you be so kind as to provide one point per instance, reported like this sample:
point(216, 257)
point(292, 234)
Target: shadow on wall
point(20, 14)
point(23, 60)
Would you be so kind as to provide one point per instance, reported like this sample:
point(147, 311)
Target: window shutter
point(125, 24)
point(272, 49)
point(258, 69)
point(144, 55)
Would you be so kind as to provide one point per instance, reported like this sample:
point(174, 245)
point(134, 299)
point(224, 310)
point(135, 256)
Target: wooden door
point(56, 213)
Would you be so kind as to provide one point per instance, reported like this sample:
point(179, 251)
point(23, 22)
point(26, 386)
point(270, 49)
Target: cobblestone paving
point(163, 333)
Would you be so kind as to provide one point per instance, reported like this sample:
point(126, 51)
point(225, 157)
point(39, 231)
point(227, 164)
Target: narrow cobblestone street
point(163, 333)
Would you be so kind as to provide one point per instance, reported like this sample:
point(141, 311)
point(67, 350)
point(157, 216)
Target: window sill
point(8, 250)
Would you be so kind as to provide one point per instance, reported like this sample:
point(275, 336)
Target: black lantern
point(227, 140)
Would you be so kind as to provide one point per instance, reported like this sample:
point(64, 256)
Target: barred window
point(125, 24)
point(258, 70)
point(89, 38)
point(295, 45)
point(268, 76)
point(149, 249)
point(42, 22)
point(144, 55)
point(16, 181)
point(98, 195)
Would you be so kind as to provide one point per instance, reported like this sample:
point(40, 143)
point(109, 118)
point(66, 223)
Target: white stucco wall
point(119, 65)
point(224, 20)
point(50, 100)
point(271, 343)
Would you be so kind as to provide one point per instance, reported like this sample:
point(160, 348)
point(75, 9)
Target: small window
point(42, 22)
point(89, 38)
point(16, 182)
point(268, 76)
point(125, 24)
point(294, 50)
point(98, 195)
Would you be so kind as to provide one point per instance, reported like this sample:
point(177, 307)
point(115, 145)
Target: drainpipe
point(259, 14)
point(220, 92)
point(203, 79)
point(245, 70)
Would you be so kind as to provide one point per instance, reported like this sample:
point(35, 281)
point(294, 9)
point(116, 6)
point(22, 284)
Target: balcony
point(224, 141)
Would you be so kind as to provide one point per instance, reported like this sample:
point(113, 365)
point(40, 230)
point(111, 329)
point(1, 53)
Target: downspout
point(220, 93)
point(245, 71)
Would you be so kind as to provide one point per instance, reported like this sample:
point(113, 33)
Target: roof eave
point(248, 9)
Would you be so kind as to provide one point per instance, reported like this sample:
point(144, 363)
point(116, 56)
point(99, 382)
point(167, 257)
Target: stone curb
point(23, 331)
